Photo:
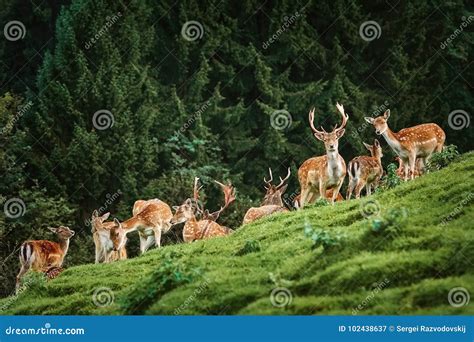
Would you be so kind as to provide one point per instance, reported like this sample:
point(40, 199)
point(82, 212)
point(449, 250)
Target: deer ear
point(386, 115)
point(319, 136)
point(369, 119)
point(117, 222)
point(175, 207)
point(95, 213)
point(340, 132)
point(367, 146)
point(54, 230)
point(376, 143)
point(105, 216)
point(283, 189)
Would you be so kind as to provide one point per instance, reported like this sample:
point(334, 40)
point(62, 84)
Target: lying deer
point(272, 202)
point(318, 174)
point(329, 192)
point(104, 247)
point(410, 143)
point(150, 218)
point(41, 255)
point(205, 227)
point(365, 171)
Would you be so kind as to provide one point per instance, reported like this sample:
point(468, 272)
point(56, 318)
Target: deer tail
point(26, 252)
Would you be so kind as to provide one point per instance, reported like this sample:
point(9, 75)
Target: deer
point(329, 192)
point(205, 226)
point(272, 202)
point(42, 255)
point(410, 143)
point(151, 219)
point(104, 247)
point(318, 174)
point(365, 171)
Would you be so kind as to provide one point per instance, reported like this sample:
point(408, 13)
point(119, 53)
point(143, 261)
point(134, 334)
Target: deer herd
point(319, 177)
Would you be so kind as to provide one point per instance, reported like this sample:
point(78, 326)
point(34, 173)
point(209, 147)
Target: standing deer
point(318, 174)
point(41, 255)
point(365, 171)
point(104, 247)
point(205, 227)
point(272, 202)
point(150, 218)
point(410, 143)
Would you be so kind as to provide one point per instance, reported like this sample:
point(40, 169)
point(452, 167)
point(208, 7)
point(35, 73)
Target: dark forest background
point(204, 107)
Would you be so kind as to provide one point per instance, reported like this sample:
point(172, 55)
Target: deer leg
point(149, 242)
point(368, 189)
point(406, 170)
point(412, 162)
point(305, 193)
point(350, 188)
point(24, 268)
point(157, 232)
point(336, 190)
point(142, 243)
point(322, 190)
point(360, 185)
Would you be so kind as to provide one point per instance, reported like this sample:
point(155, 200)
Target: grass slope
point(410, 271)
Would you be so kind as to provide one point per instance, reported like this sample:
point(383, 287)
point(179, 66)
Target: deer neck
point(392, 139)
point(333, 159)
point(64, 245)
point(131, 224)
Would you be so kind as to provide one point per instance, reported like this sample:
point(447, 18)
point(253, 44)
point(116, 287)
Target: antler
point(229, 197)
point(196, 189)
point(269, 182)
point(340, 108)
point(282, 181)
point(311, 122)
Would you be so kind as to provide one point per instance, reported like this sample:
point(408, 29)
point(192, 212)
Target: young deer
point(41, 255)
point(329, 192)
point(104, 247)
point(150, 218)
point(318, 174)
point(365, 171)
point(205, 227)
point(272, 202)
point(410, 143)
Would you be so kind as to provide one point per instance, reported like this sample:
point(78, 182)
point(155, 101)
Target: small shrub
point(251, 246)
point(442, 159)
point(391, 179)
point(321, 237)
point(391, 223)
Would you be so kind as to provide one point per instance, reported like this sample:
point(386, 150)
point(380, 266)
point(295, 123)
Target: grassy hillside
point(404, 262)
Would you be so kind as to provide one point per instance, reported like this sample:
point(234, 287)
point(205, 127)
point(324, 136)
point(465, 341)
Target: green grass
point(408, 270)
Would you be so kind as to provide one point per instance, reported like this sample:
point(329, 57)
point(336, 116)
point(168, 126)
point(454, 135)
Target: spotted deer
point(150, 218)
point(410, 143)
point(318, 174)
point(41, 255)
point(200, 224)
point(104, 247)
point(365, 171)
point(272, 202)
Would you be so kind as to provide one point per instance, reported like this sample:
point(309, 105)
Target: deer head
point(330, 139)
point(274, 192)
point(97, 221)
point(375, 149)
point(118, 235)
point(189, 208)
point(64, 233)
point(380, 122)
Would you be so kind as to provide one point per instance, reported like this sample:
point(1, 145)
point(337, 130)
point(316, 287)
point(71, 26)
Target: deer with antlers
point(365, 171)
point(104, 247)
point(200, 224)
point(410, 143)
point(42, 255)
point(272, 202)
point(318, 174)
point(150, 218)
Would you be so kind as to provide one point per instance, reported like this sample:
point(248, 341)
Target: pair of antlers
point(229, 197)
point(340, 109)
point(282, 180)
